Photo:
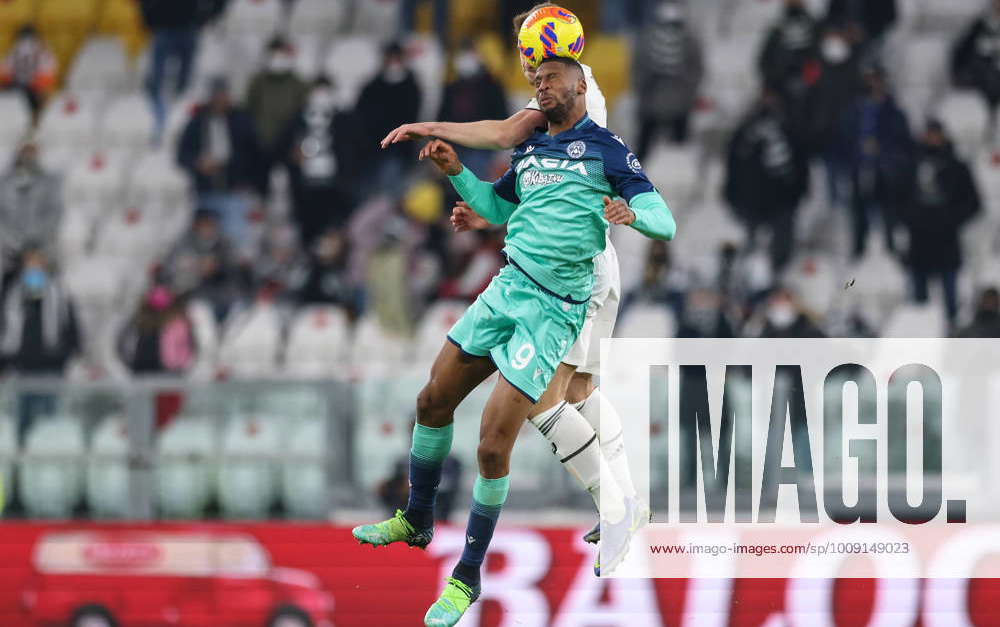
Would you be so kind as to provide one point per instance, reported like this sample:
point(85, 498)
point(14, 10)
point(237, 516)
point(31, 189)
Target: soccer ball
point(550, 32)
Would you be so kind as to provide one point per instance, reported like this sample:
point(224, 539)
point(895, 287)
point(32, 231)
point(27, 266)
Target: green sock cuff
point(431, 443)
point(491, 491)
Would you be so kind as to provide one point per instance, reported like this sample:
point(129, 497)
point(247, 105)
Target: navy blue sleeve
point(623, 170)
point(505, 187)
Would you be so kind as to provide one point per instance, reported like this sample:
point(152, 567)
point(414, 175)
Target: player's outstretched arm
point(480, 194)
point(484, 135)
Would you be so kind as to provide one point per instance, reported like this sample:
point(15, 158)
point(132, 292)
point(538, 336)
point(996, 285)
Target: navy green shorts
point(525, 330)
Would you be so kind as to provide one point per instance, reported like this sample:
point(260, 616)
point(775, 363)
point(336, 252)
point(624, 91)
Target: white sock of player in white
point(578, 448)
point(612, 443)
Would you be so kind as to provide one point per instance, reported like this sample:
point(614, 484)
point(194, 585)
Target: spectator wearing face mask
point(275, 96)
point(986, 320)
point(40, 332)
point(473, 95)
point(320, 148)
point(220, 151)
point(943, 199)
point(787, 61)
point(29, 67)
point(669, 70)
point(767, 176)
point(31, 205)
point(784, 317)
point(975, 59)
point(837, 87)
point(878, 146)
point(873, 18)
point(390, 99)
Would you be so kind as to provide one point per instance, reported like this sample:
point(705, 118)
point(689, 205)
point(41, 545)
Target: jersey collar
point(583, 122)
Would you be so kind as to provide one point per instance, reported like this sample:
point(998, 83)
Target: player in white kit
point(569, 413)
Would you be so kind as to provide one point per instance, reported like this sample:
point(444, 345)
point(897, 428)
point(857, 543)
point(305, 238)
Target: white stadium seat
point(318, 343)
point(8, 448)
point(76, 231)
point(379, 18)
point(251, 342)
point(100, 68)
point(96, 180)
point(157, 180)
point(135, 235)
point(967, 119)
point(351, 62)
point(375, 351)
point(646, 320)
point(69, 122)
point(434, 327)
point(51, 488)
point(428, 62)
point(258, 17)
point(185, 481)
point(128, 125)
point(108, 470)
point(16, 120)
point(316, 17)
point(247, 486)
point(916, 321)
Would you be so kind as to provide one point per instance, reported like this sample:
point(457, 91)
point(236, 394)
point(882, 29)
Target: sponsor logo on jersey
point(534, 178)
point(576, 149)
point(547, 163)
point(633, 163)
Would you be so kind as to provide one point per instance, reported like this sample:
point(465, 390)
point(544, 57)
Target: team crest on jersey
point(633, 163)
point(576, 149)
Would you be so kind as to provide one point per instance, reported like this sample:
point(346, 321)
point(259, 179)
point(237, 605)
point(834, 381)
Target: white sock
point(578, 448)
point(612, 443)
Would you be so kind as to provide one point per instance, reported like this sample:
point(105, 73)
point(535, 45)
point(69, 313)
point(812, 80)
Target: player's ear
point(581, 86)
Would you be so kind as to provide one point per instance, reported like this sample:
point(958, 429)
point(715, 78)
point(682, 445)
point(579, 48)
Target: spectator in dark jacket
point(160, 338)
point(838, 86)
point(975, 60)
point(873, 17)
point(787, 61)
point(669, 69)
point(767, 176)
point(986, 320)
point(473, 95)
point(275, 96)
point(320, 149)
point(219, 149)
point(203, 264)
point(40, 332)
point(785, 317)
point(878, 145)
point(942, 201)
point(175, 25)
point(328, 280)
point(390, 99)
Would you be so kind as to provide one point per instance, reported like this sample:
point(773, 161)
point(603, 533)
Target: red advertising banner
point(255, 574)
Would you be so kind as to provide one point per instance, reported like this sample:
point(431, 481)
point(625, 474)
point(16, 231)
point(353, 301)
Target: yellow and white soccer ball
point(550, 32)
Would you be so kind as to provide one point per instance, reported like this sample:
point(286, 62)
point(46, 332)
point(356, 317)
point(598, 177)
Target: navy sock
point(424, 479)
point(488, 497)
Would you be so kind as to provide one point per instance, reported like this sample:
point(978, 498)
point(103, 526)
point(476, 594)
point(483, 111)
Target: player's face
point(529, 72)
point(556, 87)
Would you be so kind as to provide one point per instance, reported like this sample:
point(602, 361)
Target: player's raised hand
point(407, 132)
point(443, 156)
point(465, 218)
point(617, 211)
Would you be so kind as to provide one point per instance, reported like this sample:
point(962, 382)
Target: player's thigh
point(453, 376)
point(503, 417)
point(556, 392)
point(601, 326)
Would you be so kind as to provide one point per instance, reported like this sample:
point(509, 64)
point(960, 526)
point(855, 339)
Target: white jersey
point(602, 310)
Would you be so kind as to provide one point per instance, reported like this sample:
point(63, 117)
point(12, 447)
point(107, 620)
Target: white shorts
point(602, 311)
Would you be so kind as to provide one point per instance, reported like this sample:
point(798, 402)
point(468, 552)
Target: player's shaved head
point(567, 61)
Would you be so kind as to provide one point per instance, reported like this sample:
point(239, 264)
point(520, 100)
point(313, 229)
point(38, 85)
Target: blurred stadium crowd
point(196, 187)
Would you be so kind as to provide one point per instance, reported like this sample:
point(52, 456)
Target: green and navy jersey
point(551, 198)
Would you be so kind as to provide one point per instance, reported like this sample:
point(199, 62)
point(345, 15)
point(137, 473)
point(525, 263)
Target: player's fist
point(617, 211)
point(407, 132)
point(443, 156)
point(464, 218)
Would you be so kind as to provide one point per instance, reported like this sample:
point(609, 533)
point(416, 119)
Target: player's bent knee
point(432, 410)
point(493, 456)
